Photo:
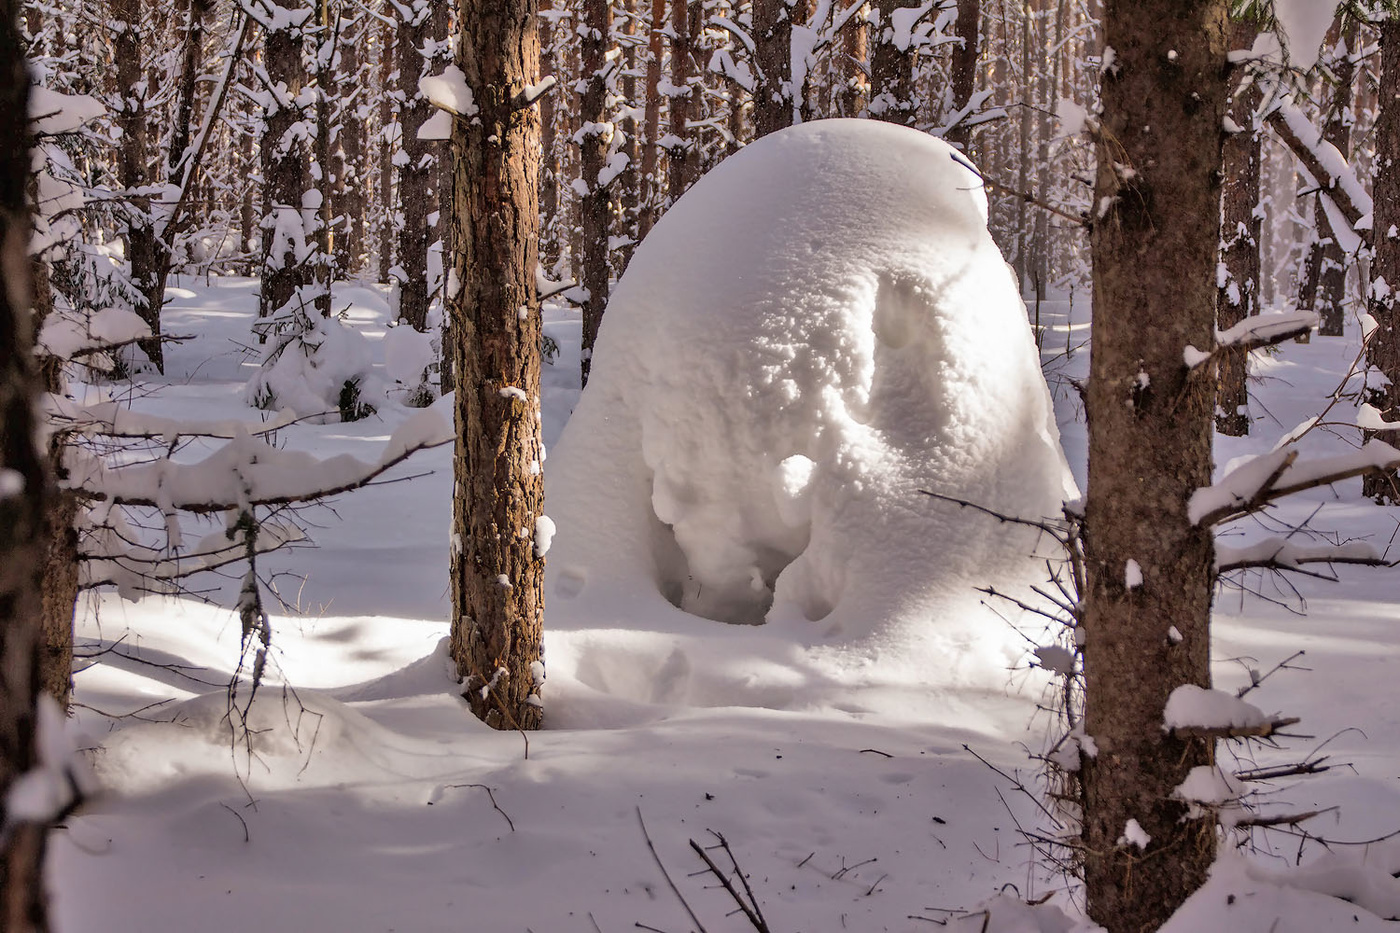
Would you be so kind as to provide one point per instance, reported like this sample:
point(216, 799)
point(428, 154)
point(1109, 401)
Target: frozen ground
point(374, 802)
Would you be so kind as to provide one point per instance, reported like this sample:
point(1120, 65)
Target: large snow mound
point(821, 328)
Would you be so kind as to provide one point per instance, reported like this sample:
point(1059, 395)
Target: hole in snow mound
point(742, 596)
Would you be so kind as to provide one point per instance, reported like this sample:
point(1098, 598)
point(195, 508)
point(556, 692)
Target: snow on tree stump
point(820, 329)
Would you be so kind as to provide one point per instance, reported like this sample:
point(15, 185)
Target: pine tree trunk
point(283, 165)
point(549, 164)
point(892, 94)
point(60, 545)
point(22, 502)
point(594, 209)
point(418, 173)
point(386, 154)
point(773, 93)
point(1154, 253)
point(1383, 349)
point(152, 283)
point(349, 157)
point(497, 573)
point(683, 155)
point(1323, 288)
point(629, 197)
point(964, 67)
point(650, 172)
point(1240, 228)
point(851, 97)
point(134, 168)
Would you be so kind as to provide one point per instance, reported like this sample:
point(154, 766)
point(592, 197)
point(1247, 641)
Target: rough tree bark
point(283, 161)
point(497, 572)
point(1383, 349)
point(23, 484)
point(1240, 226)
point(595, 215)
point(1154, 247)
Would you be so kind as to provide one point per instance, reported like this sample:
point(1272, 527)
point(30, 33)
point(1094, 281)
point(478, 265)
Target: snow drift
point(816, 332)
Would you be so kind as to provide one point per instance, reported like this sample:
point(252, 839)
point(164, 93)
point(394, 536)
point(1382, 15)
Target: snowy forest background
point(258, 236)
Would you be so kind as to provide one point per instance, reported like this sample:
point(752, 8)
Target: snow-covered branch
point(246, 472)
point(1270, 477)
point(147, 570)
point(1253, 333)
point(1277, 553)
point(113, 419)
point(1323, 161)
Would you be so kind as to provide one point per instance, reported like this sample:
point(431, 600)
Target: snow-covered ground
point(373, 801)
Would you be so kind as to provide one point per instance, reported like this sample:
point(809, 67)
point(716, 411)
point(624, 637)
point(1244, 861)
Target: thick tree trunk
point(22, 502)
point(1240, 230)
point(283, 164)
point(1383, 349)
point(1154, 252)
point(424, 28)
point(497, 571)
point(318, 218)
point(893, 97)
point(964, 67)
point(594, 207)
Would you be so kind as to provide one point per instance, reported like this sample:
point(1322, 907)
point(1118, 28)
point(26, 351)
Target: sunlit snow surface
point(361, 818)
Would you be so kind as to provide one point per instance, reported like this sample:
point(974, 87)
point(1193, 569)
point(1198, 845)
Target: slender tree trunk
point(283, 164)
point(650, 173)
point(964, 67)
point(1240, 229)
point(1383, 349)
point(851, 97)
point(135, 168)
point(595, 40)
point(549, 166)
point(59, 597)
point(773, 92)
point(629, 199)
point(893, 97)
point(497, 571)
point(1323, 288)
point(348, 160)
point(420, 27)
point(22, 502)
point(1154, 251)
point(683, 156)
point(386, 153)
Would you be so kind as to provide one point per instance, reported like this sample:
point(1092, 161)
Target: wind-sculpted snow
point(818, 331)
